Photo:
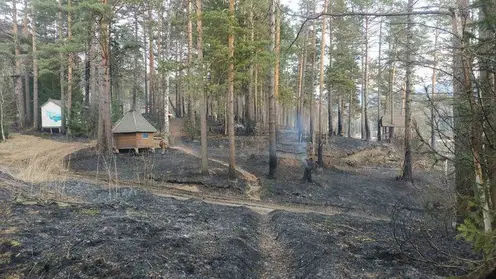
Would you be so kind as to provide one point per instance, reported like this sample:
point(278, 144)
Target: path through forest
point(254, 188)
point(47, 165)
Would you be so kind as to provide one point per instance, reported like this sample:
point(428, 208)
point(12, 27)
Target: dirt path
point(276, 260)
point(184, 192)
point(254, 188)
point(34, 159)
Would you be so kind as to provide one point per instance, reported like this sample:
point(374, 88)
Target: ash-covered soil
point(361, 175)
point(126, 233)
point(147, 167)
point(344, 247)
point(93, 232)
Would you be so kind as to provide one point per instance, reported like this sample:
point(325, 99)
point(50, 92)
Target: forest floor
point(154, 215)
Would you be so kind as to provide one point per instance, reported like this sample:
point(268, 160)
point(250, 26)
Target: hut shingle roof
point(133, 122)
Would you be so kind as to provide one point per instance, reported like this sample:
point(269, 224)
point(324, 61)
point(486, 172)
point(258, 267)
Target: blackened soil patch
point(173, 166)
point(343, 247)
point(127, 233)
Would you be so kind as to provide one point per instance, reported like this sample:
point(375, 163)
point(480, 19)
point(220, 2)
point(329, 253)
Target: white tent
point(51, 114)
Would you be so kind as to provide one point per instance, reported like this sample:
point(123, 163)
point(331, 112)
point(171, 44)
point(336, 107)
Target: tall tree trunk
point(17, 71)
point(465, 178)
point(366, 81)
point(392, 81)
point(27, 95)
point(311, 98)
point(105, 125)
point(69, 70)
point(350, 112)
point(488, 86)
point(2, 114)
point(433, 91)
point(191, 99)
point(135, 62)
point(147, 89)
point(379, 84)
point(87, 67)
point(165, 76)
point(230, 94)
point(255, 102)
point(301, 87)
point(407, 163)
point(362, 98)
point(272, 96)
point(320, 162)
point(61, 69)
point(151, 64)
point(36, 113)
point(202, 95)
point(340, 116)
point(250, 123)
point(329, 91)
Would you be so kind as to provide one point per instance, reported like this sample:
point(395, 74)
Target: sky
point(293, 4)
point(422, 73)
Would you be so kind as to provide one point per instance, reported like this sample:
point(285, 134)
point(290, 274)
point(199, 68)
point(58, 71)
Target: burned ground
point(363, 222)
point(131, 233)
point(174, 167)
point(127, 233)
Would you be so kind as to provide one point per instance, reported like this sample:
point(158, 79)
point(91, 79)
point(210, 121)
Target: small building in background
point(389, 123)
point(133, 131)
point(51, 115)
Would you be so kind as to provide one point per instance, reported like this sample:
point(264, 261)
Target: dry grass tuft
point(371, 157)
point(33, 159)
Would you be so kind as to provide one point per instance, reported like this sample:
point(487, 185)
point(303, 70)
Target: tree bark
point(379, 83)
point(203, 104)
point(250, 123)
point(311, 99)
point(191, 107)
point(350, 112)
point(329, 91)
point(465, 171)
point(230, 94)
point(135, 62)
point(272, 95)
point(69, 69)
point(392, 81)
point(27, 93)
point(36, 113)
point(17, 71)
point(340, 116)
point(366, 81)
point(407, 163)
point(151, 64)
point(87, 67)
point(433, 91)
point(2, 114)
point(488, 91)
point(165, 77)
point(105, 125)
point(321, 87)
point(61, 69)
point(301, 87)
point(147, 89)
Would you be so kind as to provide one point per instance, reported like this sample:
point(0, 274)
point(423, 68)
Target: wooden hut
point(133, 131)
point(389, 122)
